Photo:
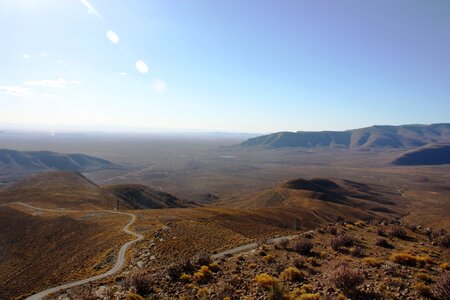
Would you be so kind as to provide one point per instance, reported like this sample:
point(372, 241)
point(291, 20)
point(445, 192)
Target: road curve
point(251, 246)
point(121, 259)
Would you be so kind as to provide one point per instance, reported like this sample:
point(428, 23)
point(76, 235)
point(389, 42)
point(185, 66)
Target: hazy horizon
point(222, 66)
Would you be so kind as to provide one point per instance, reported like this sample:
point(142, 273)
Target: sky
point(226, 65)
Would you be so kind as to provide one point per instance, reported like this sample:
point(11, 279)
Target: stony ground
point(338, 261)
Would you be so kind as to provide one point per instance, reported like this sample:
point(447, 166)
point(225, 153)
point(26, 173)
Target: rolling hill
point(143, 197)
point(38, 251)
point(318, 201)
point(47, 160)
point(435, 154)
point(70, 189)
point(404, 136)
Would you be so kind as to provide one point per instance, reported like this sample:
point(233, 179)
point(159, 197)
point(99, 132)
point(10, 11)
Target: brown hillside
point(142, 196)
point(324, 200)
point(38, 252)
point(68, 189)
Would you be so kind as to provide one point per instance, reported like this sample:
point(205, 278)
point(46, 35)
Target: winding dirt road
point(121, 259)
point(120, 263)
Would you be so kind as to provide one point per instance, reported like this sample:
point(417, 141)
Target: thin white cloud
point(60, 61)
point(92, 10)
point(141, 66)
point(57, 83)
point(159, 85)
point(122, 74)
point(26, 56)
point(112, 37)
point(47, 95)
point(15, 90)
point(44, 54)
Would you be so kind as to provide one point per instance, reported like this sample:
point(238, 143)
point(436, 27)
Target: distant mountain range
point(403, 136)
point(42, 160)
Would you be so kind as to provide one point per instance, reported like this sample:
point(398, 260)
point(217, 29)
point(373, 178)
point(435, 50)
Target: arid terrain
point(196, 196)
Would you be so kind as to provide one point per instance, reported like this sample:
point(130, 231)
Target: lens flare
point(141, 66)
point(112, 37)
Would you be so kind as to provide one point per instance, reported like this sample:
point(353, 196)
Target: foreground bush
point(422, 289)
point(292, 274)
point(132, 296)
point(444, 240)
point(202, 259)
point(397, 231)
point(303, 246)
point(342, 240)
point(177, 269)
point(441, 289)
point(383, 243)
point(372, 261)
point(357, 251)
point(277, 292)
point(346, 277)
point(202, 275)
point(141, 282)
point(265, 280)
point(408, 259)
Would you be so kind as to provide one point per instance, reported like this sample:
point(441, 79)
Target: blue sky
point(241, 66)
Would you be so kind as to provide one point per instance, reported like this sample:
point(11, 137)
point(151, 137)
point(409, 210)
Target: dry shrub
point(313, 261)
point(422, 289)
point(214, 267)
point(303, 246)
point(299, 262)
point(383, 243)
point(177, 269)
point(269, 259)
point(252, 265)
point(360, 223)
point(372, 261)
point(203, 293)
point(283, 244)
point(309, 297)
point(357, 251)
point(277, 292)
point(265, 280)
point(292, 274)
point(331, 230)
point(202, 275)
point(441, 289)
point(397, 231)
point(186, 277)
point(381, 231)
point(424, 276)
point(132, 296)
point(444, 240)
point(202, 259)
point(86, 293)
point(405, 258)
point(445, 266)
point(346, 277)
point(342, 240)
point(141, 282)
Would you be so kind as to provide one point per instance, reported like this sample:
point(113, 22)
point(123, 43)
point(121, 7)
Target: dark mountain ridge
point(42, 160)
point(386, 136)
point(434, 154)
